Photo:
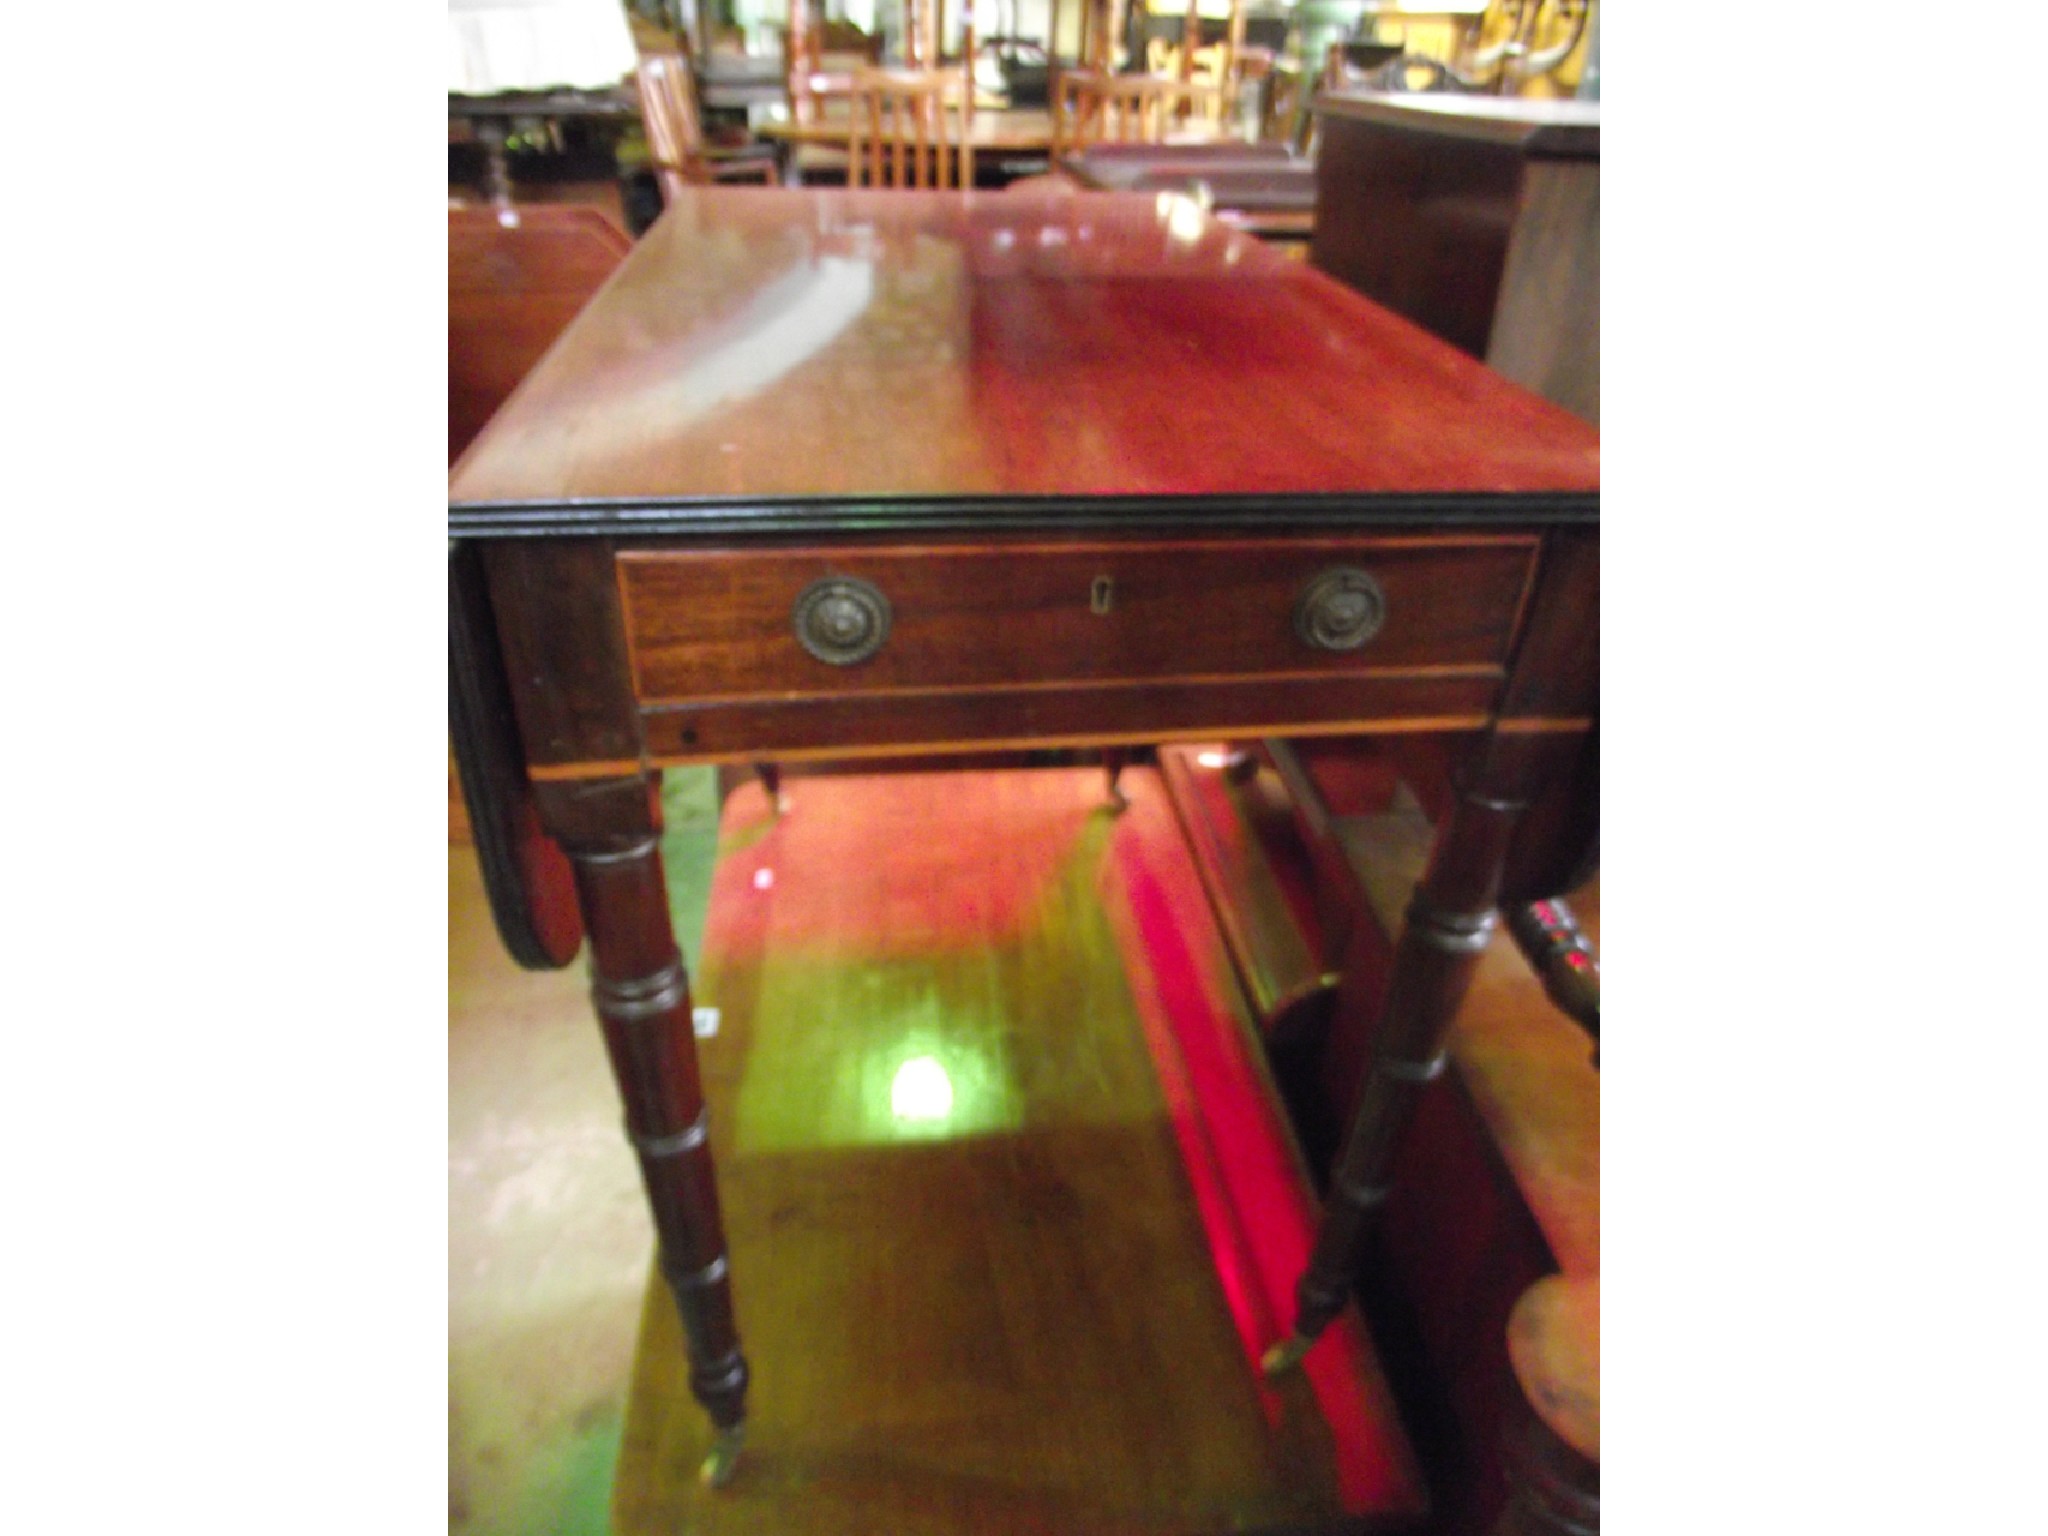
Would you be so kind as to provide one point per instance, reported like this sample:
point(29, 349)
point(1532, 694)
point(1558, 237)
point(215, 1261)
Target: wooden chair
point(821, 59)
point(1103, 25)
point(1219, 62)
point(910, 129)
point(1091, 108)
point(675, 134)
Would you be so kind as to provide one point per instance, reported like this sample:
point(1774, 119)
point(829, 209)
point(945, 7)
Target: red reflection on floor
point(1255, 1204)
point(984, 870)
point(955, 882)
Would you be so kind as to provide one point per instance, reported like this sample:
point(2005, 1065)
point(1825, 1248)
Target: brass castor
point(724, 1460)
point(1285, 1356)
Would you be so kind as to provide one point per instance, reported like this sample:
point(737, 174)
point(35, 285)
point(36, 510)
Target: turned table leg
point(1448, 925)
point(642, 994)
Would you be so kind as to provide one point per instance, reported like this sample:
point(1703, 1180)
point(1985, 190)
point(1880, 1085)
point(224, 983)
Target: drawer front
point(792, 623)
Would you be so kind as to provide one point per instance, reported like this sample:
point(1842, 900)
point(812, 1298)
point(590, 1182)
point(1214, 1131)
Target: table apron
point(1025, 718)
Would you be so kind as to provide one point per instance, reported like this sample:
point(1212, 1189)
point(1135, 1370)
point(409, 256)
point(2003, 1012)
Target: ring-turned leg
point(1448, 925)
point(642, 994)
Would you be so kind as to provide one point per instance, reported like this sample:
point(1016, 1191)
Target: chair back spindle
point(1093, 108)
point(668, 110)
point(910, 129)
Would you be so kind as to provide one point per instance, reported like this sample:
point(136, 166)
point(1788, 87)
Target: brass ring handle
point(1340, 609)
point(841, 620)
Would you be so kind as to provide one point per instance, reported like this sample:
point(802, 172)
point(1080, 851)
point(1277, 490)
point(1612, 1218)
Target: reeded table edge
point(635, 516)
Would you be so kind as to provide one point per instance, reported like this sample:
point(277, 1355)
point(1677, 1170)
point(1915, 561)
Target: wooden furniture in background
point(592, 178)
point(516, 277)
point(1101, 40)
point(675, 133)
point(919, 44)
point(1091, 108)
point(1479, 219)
point(910, 130)
point(1488, 1264)
point(1264, 189)
point(1492, 1216)
point(821, 58)
point(821, 144)
point(1344, 527)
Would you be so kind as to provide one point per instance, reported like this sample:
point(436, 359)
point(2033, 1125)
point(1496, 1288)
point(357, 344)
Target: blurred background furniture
point(540, 146)
point(1264, 188)
point(1481, 1281)
point(1094, 108)
point(1540, 48)
point(535, 97)
point(910, 130)
point(821, 57)
point(678, 153)
point(1479, 219)
point(1021, 67)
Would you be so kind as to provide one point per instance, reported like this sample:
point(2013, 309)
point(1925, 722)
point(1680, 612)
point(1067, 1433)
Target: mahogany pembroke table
point(830, 475)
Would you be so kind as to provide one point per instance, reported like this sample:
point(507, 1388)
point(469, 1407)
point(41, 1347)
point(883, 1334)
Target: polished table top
point(765, 349)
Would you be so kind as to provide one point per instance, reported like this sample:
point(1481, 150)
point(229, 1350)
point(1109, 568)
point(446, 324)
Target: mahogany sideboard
point(823, 474)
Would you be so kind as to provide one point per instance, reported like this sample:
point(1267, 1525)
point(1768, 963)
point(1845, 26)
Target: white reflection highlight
point(789, 322)
point(1184, 220)
point(921, 1090)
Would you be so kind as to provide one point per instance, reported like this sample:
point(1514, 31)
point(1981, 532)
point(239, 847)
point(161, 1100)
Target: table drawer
point(706, 625)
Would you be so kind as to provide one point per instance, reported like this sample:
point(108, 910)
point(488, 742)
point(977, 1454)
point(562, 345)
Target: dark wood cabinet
point(1479, 219)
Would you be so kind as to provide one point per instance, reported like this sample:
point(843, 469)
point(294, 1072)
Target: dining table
point(858, 476)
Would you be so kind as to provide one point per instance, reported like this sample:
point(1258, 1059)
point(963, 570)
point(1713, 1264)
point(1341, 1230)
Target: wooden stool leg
point(642, 993)
point(1113, 761)
point(770, 776)
point(1448, 925)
